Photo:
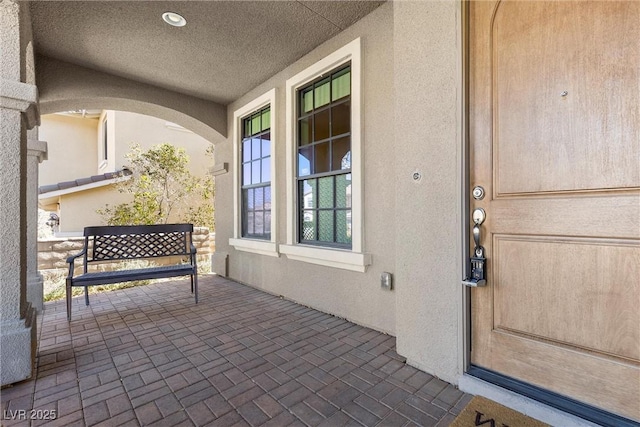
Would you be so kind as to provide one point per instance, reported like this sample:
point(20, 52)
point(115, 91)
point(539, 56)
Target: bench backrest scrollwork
point(111, 243)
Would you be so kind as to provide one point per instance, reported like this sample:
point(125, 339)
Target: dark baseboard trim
point(579, 409)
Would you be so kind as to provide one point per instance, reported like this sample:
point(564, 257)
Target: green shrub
point(162, 187)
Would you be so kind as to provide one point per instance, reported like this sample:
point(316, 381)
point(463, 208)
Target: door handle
point(478, 262)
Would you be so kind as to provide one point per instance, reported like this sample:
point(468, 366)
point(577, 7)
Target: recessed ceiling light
point(174, 19)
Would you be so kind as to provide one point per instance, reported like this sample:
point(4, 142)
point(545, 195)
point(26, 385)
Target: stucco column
point(428, 212)
point(18, 112)
point(36, 154)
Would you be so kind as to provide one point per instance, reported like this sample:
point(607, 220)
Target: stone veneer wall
point(53, 253)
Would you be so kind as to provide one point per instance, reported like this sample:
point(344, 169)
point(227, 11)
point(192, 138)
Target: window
point(256, 175)
point(254, 137)
point(102, 141)
point(324, 160)
point(324, 163)
point(105, 140)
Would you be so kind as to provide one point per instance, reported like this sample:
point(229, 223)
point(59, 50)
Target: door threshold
point(513, 394)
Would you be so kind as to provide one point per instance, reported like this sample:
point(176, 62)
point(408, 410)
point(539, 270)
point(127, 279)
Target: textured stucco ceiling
point(226, 48)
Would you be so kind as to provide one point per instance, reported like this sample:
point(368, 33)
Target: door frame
point(465, 191)
point(472, 375)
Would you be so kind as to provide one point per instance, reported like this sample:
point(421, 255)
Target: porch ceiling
point(226, 48)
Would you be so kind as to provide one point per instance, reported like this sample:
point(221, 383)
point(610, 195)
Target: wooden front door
point(555, 142)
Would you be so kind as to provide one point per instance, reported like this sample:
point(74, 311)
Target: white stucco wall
point(353, 295)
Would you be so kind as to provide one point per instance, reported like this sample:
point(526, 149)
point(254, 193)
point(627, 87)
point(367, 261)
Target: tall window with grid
point(324, 160)
point(256, 175)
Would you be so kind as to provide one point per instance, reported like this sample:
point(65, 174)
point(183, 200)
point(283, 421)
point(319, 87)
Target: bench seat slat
point(108, 277)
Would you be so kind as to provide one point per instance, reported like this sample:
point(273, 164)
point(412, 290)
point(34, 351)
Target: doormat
point(487, 413)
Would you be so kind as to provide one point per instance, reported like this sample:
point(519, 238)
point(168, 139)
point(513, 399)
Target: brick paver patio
point(150, 356)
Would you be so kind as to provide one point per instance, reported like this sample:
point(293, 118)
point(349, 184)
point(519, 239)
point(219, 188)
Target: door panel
point(554, 63)
point(590, 215)
point(555, 141)
point(592, 314)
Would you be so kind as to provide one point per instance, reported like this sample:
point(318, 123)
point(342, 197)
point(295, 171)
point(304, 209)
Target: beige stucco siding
point(78, 210)
point(72, 148)
point(353, 295)
point(149, 131)
point(428, 214)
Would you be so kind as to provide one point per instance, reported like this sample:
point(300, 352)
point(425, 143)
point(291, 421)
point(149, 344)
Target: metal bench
point(117, 243)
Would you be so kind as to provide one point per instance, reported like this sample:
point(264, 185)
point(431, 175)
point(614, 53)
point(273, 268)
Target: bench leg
point(194, 279)
point(68, 294)
point(86, 295)
point(192, 283)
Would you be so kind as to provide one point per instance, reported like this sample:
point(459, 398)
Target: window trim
point(104, 159)
point(105, 140)
point(258, 246)
point(351, 259)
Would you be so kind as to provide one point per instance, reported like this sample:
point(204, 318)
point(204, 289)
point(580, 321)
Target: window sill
point(336, 258)
point(260, 247)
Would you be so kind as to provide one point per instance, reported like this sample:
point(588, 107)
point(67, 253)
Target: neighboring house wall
point(105, 143)
point(76, 147)
point(149, 131)
point(71, 154)
point(78, 210)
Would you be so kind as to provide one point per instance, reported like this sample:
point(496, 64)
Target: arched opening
point(64, 87)
point(133, 106)
point(92, 161)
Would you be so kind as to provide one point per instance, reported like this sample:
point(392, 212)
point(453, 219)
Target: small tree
point(162, 186)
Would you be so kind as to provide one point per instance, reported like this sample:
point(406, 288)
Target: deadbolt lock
point(478, 192)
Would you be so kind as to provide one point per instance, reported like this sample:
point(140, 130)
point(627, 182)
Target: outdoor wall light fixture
point(174, 19)
point(53, 222)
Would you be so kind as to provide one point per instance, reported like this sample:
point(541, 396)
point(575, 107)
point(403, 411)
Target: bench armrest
point(71, 262)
